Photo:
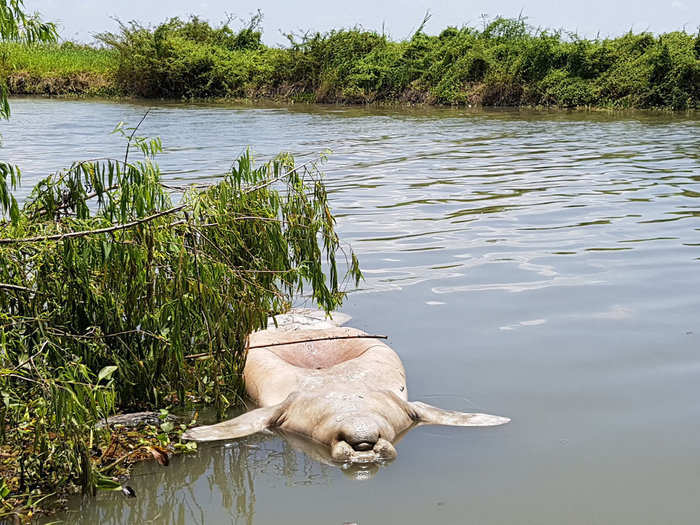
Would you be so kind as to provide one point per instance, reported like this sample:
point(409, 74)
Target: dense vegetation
point(506, 62)
point(109, 286)
point(120, 292)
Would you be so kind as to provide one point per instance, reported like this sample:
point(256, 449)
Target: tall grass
point(506, 62)
point(65, 58)
point(54, 69)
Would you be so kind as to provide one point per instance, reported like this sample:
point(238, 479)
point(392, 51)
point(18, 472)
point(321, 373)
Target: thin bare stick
point(16, 288)
point(206, 354)
point(245, 190)
point(91, 336)
point(121, 459)
point(22, 377)
point(41, 349)
point(272, 181)
point(85, 233)
point(128, 143)
point(188, 187)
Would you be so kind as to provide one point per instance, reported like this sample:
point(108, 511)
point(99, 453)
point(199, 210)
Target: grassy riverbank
point(505, 63)
point(59, 69)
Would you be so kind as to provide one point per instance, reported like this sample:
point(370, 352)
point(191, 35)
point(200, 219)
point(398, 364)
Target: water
point(539, 265)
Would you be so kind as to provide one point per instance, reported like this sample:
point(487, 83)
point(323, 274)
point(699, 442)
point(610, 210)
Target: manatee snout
point(360, 440)
point(361, 433)
point(382, 450)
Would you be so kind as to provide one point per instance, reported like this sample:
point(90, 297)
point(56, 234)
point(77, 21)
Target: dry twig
point(205, 354)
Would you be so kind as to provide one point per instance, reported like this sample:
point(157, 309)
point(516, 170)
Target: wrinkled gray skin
point(347, 395)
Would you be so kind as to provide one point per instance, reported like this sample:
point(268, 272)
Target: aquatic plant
point(110, 278)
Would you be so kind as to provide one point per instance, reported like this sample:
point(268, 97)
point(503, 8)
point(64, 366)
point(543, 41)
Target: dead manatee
point(347, 394)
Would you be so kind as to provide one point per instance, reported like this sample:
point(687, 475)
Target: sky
point(80, 19)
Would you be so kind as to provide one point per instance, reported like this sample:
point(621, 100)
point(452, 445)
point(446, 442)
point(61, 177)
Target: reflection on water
point(322, 453)
point(539, 265)
point(217, 485)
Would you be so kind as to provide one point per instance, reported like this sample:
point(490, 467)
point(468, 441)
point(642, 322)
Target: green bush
point(505, 63)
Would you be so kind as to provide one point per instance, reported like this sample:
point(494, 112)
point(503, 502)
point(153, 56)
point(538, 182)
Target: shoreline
point(279, 102)
point(127, 446)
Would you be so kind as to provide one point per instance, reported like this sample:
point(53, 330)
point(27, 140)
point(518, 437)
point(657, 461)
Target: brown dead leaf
point(160, 455)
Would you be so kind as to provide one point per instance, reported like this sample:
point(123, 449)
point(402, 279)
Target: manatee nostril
point(362, 446)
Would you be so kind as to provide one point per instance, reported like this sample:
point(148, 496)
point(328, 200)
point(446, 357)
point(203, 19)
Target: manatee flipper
point(430, 415)
point(243, 425)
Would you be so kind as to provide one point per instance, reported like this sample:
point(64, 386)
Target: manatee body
point(345, 391)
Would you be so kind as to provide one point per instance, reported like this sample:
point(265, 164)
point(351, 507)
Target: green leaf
point(106, 249)
point(14, 210)
point(4, 490)
point(106, 372)
point(102, 482)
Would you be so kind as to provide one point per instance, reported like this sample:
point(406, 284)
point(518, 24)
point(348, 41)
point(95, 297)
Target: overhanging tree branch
point(85, 233)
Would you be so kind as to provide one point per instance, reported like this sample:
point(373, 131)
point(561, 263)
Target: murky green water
point(543, 266)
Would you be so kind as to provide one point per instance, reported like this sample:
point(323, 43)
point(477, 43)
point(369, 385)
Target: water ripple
point(429, 184)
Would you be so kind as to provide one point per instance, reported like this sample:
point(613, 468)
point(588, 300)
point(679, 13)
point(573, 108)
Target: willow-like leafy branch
point(108, 286)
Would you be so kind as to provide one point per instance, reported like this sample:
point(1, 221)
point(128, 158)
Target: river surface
point(539, 265)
